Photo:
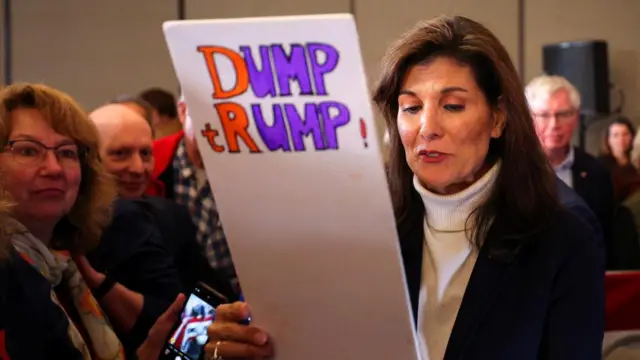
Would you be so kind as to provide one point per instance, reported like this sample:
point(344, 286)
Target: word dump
point(269, 71)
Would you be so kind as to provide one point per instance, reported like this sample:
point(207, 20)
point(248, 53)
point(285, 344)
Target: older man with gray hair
point(555, 108)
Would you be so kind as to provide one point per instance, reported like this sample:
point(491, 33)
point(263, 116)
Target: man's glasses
point(560, 116)
point(31, 152)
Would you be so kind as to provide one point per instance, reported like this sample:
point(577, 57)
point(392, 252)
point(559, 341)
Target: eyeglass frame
point(560, 116)
point(81, 151)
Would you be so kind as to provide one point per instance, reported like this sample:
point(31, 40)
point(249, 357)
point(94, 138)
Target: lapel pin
point(583, 174)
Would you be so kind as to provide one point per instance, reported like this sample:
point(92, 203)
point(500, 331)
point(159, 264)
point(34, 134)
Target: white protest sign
point(283, 120)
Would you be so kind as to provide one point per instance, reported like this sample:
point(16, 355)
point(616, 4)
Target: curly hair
point(5, 211)
point(81, 229)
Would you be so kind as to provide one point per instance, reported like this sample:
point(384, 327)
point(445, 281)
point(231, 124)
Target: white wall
point(202, 9)
point(95, 50)
point(1, 46)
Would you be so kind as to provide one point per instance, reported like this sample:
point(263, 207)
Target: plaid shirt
point(204, 213)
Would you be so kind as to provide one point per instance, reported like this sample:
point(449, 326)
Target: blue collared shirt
point(564, 169)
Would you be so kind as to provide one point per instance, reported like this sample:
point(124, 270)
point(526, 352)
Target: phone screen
point(189, 335)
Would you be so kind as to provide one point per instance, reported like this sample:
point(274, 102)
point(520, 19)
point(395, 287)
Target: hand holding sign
point(234, 340)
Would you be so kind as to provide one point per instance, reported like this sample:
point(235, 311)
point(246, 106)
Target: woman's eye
point(454, 107)
point(27, 152)
point(68, 154)
point(411, 109)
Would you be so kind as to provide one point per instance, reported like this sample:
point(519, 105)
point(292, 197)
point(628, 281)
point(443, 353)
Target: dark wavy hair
point(605, 149)
point(524, 197)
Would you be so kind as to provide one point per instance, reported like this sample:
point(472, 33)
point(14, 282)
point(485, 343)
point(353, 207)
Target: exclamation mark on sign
point(363, 132)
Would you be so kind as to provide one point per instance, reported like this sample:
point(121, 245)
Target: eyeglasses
point(560, 116)
point(31, 152)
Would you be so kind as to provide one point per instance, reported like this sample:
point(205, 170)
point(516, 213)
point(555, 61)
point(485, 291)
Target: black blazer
point(179, 237)
point(133, 254)
point(592, 181)
point(574, 203)
point(545, 303)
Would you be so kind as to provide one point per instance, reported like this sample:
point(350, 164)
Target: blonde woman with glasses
point(56, 201)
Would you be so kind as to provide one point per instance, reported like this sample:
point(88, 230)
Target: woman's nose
point(51, 164)
point(430, 128)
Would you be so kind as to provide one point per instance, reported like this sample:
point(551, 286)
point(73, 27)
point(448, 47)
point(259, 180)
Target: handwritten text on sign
point(269, 72)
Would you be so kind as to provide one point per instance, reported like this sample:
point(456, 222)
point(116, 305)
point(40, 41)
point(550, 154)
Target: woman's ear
point(499, 120)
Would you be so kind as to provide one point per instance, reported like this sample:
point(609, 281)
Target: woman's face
point(43, 182)
point(445, 124)
point(619, 139)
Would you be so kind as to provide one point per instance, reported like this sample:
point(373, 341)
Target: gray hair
point(542, 87)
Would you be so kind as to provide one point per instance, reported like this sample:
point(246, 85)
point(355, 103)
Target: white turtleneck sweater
point(447, 261)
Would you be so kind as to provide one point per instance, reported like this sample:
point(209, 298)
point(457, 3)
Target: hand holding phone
point(189, 334)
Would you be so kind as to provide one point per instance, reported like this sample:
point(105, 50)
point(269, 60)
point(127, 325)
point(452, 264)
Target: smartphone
point(189, 334)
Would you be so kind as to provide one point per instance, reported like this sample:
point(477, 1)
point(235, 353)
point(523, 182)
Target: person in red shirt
point(179, 174)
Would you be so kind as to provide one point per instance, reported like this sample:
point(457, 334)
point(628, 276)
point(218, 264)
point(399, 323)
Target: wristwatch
point(103, 288)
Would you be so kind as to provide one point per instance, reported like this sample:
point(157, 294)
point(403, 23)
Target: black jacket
point(592, 181)
point(546, 303)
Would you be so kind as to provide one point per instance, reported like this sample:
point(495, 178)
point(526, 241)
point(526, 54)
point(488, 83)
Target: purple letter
point(274, 136)
point(302, 127)
point(291, 66)
point(334, 115)
point(330, 62)
point(261, 80)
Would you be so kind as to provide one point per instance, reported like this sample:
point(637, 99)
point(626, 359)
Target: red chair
point(622, 290)
point(622, 300)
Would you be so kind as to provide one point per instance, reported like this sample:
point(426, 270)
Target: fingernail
point(260, 338)
point(245, 312)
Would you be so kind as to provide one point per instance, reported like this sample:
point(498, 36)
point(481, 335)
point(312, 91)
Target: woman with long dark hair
point(615, 154)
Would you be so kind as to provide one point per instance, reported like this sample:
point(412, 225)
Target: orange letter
point(211, 135)
point(235, 122)
point(242, 75)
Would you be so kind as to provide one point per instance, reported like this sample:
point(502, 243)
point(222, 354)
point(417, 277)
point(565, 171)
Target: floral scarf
point(57, 266)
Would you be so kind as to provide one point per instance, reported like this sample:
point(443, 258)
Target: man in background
point(132, 250)
point(126, 147)
point(555, 107)
point(179, 175)
point(165, 111)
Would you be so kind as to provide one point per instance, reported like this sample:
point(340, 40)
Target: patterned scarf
point(57, 266)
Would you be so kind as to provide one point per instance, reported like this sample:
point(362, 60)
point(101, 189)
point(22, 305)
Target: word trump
point(269, 72)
